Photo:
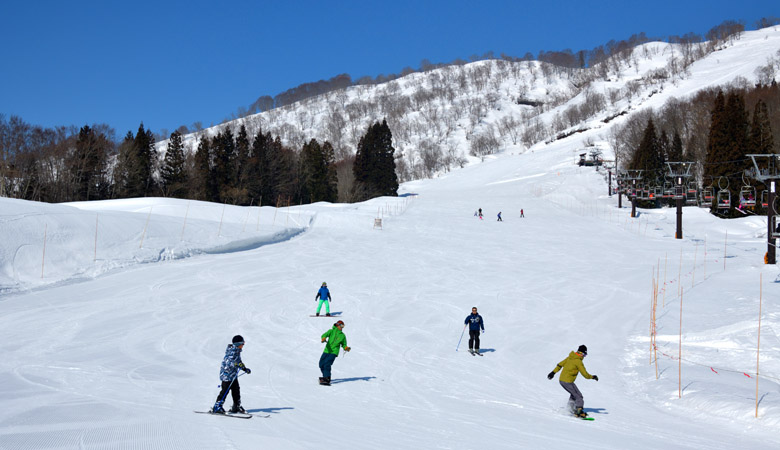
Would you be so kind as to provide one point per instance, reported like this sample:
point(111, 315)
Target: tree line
point(69, 164)
point(715, 131)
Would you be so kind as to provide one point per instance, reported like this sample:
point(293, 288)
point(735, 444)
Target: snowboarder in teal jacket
point(335, 338)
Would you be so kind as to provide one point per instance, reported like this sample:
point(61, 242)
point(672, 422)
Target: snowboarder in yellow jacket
point(336, 339)
point(570, 368)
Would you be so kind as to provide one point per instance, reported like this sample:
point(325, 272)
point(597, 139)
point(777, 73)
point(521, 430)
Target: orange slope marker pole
point(758, 347)
point(679, 354)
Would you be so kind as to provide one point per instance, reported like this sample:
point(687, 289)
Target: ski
point(323, 316)
point(235, 415)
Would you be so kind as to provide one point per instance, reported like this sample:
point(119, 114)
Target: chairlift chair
point(668, 189)
point(775, 228)
point(724, 199)
point(691, 194)
point(747, 197)
point(706, 197)
point(764, 198)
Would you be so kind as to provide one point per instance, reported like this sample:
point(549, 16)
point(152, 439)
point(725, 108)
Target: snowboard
point(323, 315)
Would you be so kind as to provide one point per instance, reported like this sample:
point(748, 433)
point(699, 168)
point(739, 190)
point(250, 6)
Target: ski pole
point(461, 336)
point(222, 400)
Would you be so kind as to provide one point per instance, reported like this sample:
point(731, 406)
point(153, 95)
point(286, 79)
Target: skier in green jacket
point(336, 338)
point(570, 368)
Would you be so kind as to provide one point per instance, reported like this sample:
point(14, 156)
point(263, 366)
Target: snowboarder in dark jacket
point(570, 368)
point(475, 323)
point(228, 374)
point(323, 295)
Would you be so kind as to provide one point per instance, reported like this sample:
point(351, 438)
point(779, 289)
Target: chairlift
point(658, 192)
point(668, 189)
point(724, 199)
point(747, 197)
point(691, 194)
point(775, 228)
point(764, 198)
point(707, 196)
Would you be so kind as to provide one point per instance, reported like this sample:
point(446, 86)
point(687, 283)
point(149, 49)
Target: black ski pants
point(474, 339)
point(235, 391)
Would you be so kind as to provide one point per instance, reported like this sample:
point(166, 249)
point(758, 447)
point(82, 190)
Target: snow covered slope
point(120, 360)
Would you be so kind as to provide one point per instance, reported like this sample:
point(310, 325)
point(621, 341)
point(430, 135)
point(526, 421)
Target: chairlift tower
point(767, 170)
point(631, 178)
point(610, 167)
point(679, 171)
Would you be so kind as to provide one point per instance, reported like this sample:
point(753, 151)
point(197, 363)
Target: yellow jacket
point(571, 367)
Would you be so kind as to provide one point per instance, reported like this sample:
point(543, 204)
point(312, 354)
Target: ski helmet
point(238, 340)
point(339, 323)
point(582, 349)
point(324, 283)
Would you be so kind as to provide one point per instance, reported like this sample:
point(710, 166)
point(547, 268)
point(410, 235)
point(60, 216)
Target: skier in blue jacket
point(228, 374)
point(475, 324)
point(323, 295)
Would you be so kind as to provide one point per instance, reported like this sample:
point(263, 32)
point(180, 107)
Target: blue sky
point(174, 63)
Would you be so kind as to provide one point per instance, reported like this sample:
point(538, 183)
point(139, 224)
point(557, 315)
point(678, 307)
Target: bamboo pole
point(679, 354)
point(143, 235)
point(259, 208)
point(186, 213)
point(725, 243)
point(695, 254)
point(249, 211)
point(94, 257)
point(43, 257)
point(219, 232)
point(705, 256)
point(679, 276)
point(666, 259)
point(655, 347)
point(276, 209)
point(758, 347)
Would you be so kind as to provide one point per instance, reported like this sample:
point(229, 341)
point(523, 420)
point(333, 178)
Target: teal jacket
point(336, 338)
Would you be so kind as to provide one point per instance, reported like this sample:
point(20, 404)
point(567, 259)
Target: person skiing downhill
point(228, 373)
point(570, 368)
point(475, 322)
point(323, 295)
point(480, 213)
point(336, 338)
point(499, 217)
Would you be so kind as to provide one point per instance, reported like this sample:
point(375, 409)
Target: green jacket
point(336, 338)
point(571, 367)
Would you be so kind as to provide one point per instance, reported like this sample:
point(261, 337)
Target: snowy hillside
point(120, 360)
point(441, 117)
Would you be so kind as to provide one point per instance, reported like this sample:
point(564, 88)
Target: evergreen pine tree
point(172, 172)
point(648, 156)
point(676, 149)
point(761, 140)
point(202, 182)
point(717, 142)
point(243, 151)
point(86, 165)
point(374, 167)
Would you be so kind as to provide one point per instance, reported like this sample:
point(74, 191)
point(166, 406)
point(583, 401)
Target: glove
point(346, 349)
point(483, 331)
point(244, 368)
point(323, 340)
point(550, 375)
point(596, 377)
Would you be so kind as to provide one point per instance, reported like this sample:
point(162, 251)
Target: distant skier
point(570, 368)
point(480, 213)
point(323, 295)
point(475, 322)
point(229, 375)
point(499, 217)
point(336, 338)
point(521, 213)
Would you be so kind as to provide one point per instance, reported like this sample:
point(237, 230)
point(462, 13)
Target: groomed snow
point(116, 352)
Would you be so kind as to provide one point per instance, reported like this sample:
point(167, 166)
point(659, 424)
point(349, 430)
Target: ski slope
point(117, 350)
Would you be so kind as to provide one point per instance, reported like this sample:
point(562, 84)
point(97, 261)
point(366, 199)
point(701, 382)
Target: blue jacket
point(475, 322)
point(323, 294)
point(230, 364)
